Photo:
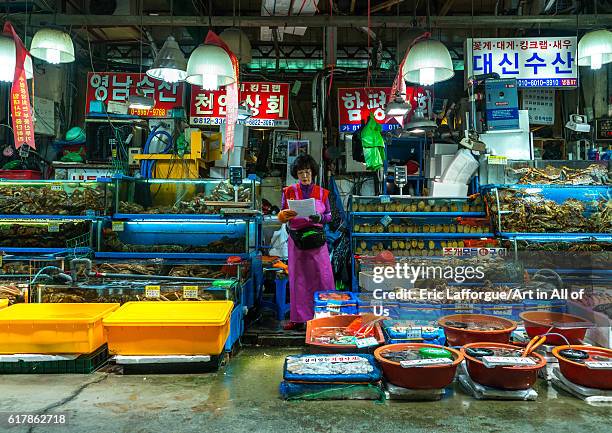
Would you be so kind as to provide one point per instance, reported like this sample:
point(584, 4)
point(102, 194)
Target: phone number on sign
point(155, 112)
point(35, 419)
point(216, 121)
point(547, 82)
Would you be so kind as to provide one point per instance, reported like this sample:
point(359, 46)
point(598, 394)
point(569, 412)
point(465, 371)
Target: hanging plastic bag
point(373, 144)
point(279, 243)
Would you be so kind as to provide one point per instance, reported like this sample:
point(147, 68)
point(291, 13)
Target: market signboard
point(118, 86)
point(268, 101)
point(534, 61)
point(355, 105)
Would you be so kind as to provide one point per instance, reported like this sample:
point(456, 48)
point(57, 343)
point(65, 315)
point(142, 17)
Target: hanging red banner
point(21, 111)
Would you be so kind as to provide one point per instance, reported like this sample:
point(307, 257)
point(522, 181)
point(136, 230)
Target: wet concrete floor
point(243, 397)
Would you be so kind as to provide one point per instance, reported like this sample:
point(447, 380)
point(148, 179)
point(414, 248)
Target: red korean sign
point(269, 103)
point(118, 86)
point(356, 104)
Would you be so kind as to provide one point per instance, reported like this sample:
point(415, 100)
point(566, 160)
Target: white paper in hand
point(304, 208)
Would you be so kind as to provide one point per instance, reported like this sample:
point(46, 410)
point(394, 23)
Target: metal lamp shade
point(210, 67)
point(595, 49)
point(239, 43)
point(419, 124)
point(52, 46)
point(7, 60)
point(428, 62)
point(170, 64)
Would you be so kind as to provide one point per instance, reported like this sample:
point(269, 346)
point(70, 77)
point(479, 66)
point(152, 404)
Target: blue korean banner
point(533, 61)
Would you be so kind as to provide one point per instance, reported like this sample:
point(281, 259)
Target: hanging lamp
point(419, 124)
point(239, 43)
point(169, 64)
point(595, 49)
point(428, 62)
point(210, 67)
point(53, 46)
point(8, 58)
point(397, 107)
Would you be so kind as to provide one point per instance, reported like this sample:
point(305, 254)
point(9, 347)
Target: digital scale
point(400, 177)
point(589, 395)
point(481, 392)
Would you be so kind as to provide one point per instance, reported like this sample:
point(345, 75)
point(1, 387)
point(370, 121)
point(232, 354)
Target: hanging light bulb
point(397, 107)
point(595, 49)
point(428, 62)
point(419, 124)
point(210, 67)
point(52, 46)
point(169, 64)
point(8, 58)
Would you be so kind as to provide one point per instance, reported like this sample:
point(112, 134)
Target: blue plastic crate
point(325, 302)
point(236, 327)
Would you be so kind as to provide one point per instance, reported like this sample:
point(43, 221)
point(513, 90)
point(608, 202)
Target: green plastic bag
point(373, 144)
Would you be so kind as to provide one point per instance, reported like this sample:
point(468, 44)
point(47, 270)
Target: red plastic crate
point(20, 174)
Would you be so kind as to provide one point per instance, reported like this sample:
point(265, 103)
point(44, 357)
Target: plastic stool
point(280, 304)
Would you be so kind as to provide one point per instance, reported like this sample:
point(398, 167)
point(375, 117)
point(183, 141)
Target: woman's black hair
point(304, 162)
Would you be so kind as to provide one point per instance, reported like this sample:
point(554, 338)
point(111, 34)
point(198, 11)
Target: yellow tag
point(53, 227)
point(497, 160)
point(152, 291)
point(118, 226)
point(114, 153)
point(1, 254)
point(190, 292)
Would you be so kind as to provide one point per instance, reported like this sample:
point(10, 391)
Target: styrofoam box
point(430, 167)
point(442, 162)
point(443, 189)
point(444, 149)
point(366, 282)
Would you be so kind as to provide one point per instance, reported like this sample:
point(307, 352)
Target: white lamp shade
point(52, 46)
point(210, 67)
point(7, 60)
point(239, 43)
point(595, 49)
point(169, 64)
point(428, 62)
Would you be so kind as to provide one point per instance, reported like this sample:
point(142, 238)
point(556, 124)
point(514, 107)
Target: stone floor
point(243, 397)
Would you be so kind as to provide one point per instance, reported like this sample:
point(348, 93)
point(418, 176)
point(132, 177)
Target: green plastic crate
point(84, 364)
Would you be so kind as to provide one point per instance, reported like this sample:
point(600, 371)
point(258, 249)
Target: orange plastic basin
point(506, 377)
point(427, 377)
point(540, 322)
point(459, 336)
point(579, 373)
point(339, 322)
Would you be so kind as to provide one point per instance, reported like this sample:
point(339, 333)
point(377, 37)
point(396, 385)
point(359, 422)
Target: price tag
point(114, 153)
point(503, 311)
point(53, 227)
point(496, 361)
point(386, 220)
point(152, 291)
point(1, 254)
point(190, 292)
point(599, 365)
point(385, 199)
point(118, 226)
point(56, 187)
point(334, 302)
point(464, 307)
point(425, 362)
point(497, 160)
point(366, 342)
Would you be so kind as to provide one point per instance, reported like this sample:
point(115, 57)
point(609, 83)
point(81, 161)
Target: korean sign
point(269, 103)
point(117, 87)
point(534, 62)
point(541, 106)
point(356, 104)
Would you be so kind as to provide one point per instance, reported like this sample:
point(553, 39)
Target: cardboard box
point(444, 148)
point(445, 189)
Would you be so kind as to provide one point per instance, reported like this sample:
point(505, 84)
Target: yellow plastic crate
point(3, 303)
point(169, 328)
point(53, 328)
